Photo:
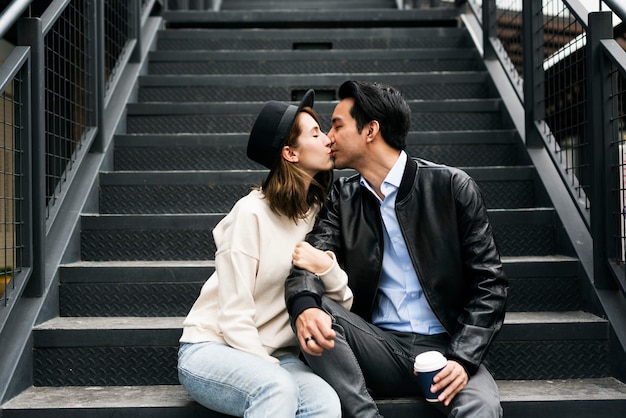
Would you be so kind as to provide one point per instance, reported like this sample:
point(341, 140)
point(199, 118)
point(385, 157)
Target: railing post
point(534, 83)
point(99, 61)
point(135, 16)
point(30, 33)
point(599, 143)
point(490, 27)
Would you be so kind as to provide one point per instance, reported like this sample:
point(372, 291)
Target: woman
point(238, 353)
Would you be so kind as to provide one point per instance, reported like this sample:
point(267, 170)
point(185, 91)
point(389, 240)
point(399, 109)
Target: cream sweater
point(243, 302)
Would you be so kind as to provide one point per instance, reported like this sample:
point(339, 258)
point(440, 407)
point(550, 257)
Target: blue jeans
point(236, 383)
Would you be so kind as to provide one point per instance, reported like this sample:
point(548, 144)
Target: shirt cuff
point(302, 303)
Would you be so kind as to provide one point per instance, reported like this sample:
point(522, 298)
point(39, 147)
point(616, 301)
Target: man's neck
point(375, 170)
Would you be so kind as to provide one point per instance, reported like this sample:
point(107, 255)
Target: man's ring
point(307, 339)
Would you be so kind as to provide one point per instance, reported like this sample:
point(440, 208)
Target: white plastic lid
point(429, 361)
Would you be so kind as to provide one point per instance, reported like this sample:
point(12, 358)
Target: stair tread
point(140, 263)
point(184, 177)
point(77, 397)
point(211, 263)
point(307, 55)
point(478, 137)
point(376, 17)
point(90, 323)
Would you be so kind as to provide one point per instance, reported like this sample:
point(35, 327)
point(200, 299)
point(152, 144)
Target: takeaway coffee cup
point(427, 365)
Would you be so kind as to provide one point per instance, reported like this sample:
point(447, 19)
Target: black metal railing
point(568, 73)
point(54, 88)
point(14, 187)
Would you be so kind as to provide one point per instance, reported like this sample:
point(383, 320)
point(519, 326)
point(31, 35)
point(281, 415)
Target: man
point(416, 243)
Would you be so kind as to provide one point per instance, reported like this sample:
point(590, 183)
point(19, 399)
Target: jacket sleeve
point(482, 316)
point(304, 289)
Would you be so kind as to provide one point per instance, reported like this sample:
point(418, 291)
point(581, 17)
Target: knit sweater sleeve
point(335, 281)
point(237, 262)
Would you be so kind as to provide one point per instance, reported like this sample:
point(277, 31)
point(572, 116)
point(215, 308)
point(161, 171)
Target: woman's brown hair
point(285, 190)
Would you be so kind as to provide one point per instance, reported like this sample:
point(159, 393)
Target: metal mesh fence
point(117, 32)
point(618, 170)
point(564, 53)
point(509, 32)
point(69, 100)
point(11, 185)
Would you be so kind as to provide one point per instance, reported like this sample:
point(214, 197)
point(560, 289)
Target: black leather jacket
point(450, 241)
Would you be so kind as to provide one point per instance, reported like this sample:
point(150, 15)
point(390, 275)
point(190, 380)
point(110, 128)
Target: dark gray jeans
point(367, 357)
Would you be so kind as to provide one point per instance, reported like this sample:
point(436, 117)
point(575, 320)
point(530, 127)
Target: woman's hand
point(307, 257)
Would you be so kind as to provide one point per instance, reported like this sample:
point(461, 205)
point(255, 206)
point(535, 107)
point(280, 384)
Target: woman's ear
point(290, 154)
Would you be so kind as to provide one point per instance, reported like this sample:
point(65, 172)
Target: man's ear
point(290, 154)
point(373, 128)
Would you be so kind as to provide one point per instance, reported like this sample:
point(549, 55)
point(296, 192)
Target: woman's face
point(313, 147)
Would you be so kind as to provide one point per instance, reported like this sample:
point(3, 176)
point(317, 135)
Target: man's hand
point(315, 332)
point(452, 378)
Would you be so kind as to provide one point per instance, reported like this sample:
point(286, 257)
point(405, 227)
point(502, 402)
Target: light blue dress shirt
point(400, 302)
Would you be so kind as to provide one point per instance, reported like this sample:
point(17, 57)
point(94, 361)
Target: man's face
point(347, 142)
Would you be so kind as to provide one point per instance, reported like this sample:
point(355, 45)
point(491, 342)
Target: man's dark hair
point(380, 102)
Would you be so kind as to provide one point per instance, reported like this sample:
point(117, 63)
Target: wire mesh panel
point(618, 171)
point(117, 33)
point(69, 97)
point(509, 31)
point(565, 92)
point(11, 185)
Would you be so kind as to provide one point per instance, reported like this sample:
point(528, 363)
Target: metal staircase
point(181, 164)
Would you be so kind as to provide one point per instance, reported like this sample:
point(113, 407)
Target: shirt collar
point(394, 177)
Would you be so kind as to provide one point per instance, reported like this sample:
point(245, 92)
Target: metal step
point(142, 351)
point(287, 38)
point(310, 61)
point(153, 152)
point(305, 5)
point(169, 288)
point(255, 88)
point(155, 288)
point(185, 118)
point(136, 192)
point(413, 85)
point(519, 232)
point(549, 283)
point(331, 18)
point(581, 398)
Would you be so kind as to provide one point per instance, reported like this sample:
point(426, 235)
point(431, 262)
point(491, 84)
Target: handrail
point(572, 108)
point(618, 8)
point(110, 43)
point(11, 14)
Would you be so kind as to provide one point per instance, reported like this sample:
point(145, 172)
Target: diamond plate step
point(169, 288)
point(147, 237)
point(312, 61)
point(185, 118)
point(288, 38)
point(142, 351)
point(519, 232)
point(147, 192)
point(131, 288)
point(250, 87)
point(305, 5)
point(228, 152)
point(582, 398)
point(536, 284)
point(333, 17)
